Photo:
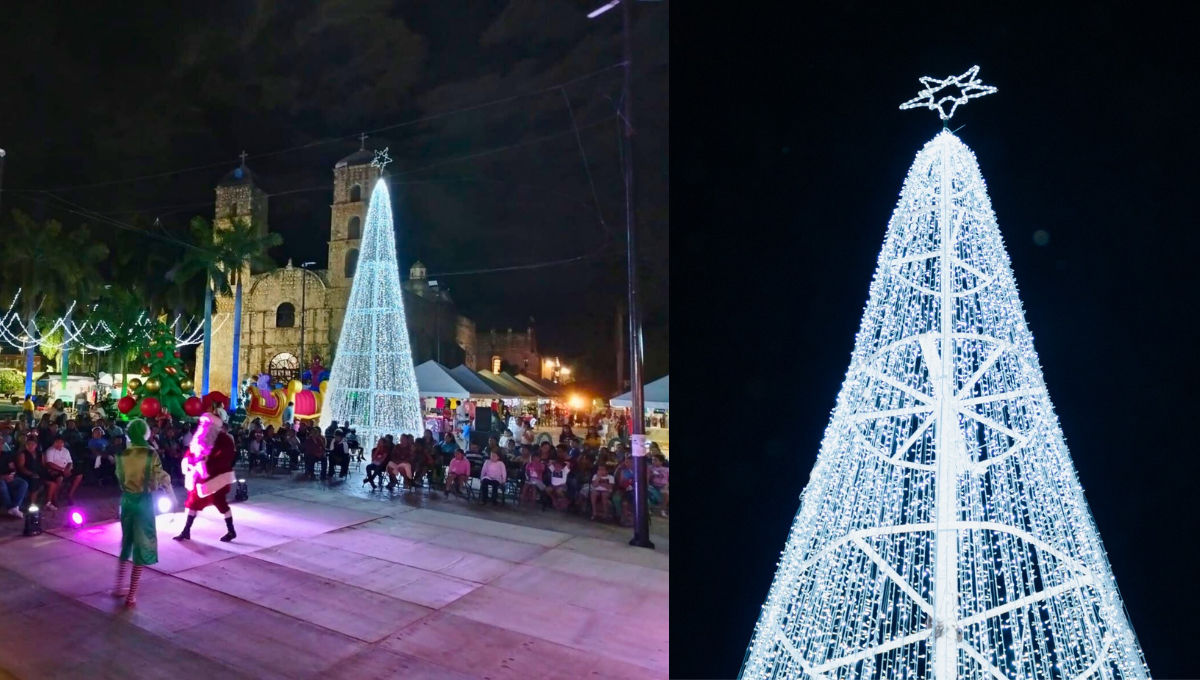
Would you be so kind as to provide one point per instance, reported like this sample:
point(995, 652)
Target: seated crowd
point(45, 462)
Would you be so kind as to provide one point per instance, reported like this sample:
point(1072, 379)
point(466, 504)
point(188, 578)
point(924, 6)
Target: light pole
point(637, 425)
point(303, 294)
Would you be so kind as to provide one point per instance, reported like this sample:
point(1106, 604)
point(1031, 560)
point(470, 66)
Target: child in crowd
point(457, 473)
point(601, 490)
point(659, 478)
point(557, 491)
point(534, 487)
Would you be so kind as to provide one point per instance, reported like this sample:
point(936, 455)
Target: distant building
point(276, 304)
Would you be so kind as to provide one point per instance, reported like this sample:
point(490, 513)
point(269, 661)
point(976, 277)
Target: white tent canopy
point(435, 380)
point(657, 395)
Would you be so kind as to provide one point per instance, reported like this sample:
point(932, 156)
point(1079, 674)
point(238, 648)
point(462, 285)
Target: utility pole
point(303, 294)
point(637, 425)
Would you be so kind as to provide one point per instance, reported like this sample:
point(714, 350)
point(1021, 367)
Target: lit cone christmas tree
point(164, 385)
point(372, 386)
point(943, 533)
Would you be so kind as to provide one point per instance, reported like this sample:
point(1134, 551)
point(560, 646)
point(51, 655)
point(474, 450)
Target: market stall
point(656, 397)
point(442, 392)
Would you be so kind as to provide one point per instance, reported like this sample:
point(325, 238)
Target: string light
point(373, 386)
point(84, 334)
point(944, 532)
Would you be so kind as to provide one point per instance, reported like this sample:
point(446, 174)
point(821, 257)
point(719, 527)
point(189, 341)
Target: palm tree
point(124, 312)
point(225, 255)
point(48, 268)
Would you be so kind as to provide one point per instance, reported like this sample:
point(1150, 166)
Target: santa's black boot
point(186, 534)
point(231, 534)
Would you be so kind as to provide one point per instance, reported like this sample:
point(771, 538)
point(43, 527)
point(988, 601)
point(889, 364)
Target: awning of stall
point(514, 385)
point(435, 380)
point(656, 395)
point(540, 388)
point(476, 384)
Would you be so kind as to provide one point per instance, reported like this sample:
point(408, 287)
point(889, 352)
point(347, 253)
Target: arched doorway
point(284, 368)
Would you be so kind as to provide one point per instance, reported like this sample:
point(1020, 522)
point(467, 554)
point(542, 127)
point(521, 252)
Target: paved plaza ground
point(334, 581)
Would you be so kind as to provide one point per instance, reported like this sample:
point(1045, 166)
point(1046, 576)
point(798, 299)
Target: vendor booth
point(656, 398)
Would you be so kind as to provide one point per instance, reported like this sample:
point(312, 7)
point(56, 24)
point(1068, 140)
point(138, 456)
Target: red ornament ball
point(193, 406)
point(146, 354)
point(170, 370)
point(151, 407)
point(125, 404)
point(176, 353)
point(146, 370)
point(159, 354)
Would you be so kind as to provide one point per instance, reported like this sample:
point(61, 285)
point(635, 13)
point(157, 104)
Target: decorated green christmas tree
point(164, 386)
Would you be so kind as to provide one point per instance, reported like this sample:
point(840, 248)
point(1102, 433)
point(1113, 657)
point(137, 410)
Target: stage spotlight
point(164, 505)
point(77, 518)
point(241, 491)
point(33, 521)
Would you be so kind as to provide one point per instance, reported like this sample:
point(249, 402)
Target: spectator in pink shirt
point(493, 476)
point(534, 486)
point(457, 472)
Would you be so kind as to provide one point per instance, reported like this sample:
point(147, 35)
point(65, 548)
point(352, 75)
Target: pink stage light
point(77, 518)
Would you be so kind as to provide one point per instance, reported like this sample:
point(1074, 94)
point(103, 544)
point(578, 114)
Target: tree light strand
point(943, 532)
point(373, 386)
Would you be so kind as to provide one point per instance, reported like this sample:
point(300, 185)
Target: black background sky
point(792, 178)
point(100, 92)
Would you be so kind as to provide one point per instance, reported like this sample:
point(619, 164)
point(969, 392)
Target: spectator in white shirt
point(493, 477)
point(60, 468)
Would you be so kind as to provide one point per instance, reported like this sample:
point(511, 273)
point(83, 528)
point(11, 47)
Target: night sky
point(791, 175)
point(100, 93)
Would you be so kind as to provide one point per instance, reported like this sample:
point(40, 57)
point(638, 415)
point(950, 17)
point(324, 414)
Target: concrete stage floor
point(335, 582)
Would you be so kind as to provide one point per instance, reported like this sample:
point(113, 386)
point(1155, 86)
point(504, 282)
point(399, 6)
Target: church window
point(355, 193)
point(233, 209)
point(354, 229)
point(351, 262)
point(285, 315)
point(495, 364)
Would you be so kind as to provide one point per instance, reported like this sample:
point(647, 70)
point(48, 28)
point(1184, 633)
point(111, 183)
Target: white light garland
point(944, 533)
point(83, 334)
point(969, 86)
point(373, 386)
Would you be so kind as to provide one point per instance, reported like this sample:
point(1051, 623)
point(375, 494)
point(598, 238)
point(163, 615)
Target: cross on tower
point(362, 141)
point(243, 155)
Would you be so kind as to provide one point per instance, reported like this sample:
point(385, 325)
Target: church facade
point(278, 305)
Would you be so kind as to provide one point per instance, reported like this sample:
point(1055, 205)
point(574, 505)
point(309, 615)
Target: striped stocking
point(133, 586)
point(122, 571)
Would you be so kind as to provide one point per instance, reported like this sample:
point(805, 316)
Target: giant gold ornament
point(153, 384)
point(186, 384)
point(134, 383)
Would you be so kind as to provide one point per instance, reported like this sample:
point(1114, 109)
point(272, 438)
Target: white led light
point(372, 385)
point(943, 533)
point(969, 86)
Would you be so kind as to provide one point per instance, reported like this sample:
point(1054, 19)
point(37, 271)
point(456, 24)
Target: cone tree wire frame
point(943, 533)
point(372, 385)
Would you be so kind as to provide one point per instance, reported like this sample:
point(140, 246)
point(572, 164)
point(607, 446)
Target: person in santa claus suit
point(208, 473)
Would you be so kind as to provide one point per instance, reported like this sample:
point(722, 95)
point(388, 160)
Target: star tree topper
point(381, 159)
point(969, 87)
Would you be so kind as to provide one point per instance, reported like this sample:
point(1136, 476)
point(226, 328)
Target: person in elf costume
point(140, 474)
point(208, 473)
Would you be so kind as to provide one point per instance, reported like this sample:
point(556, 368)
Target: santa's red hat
point(214, 397)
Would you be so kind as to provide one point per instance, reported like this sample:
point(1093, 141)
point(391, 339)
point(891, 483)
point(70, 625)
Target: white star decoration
point(381, 159)
point(968, 83)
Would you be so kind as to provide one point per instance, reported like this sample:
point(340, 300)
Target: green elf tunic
point(140, 474)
